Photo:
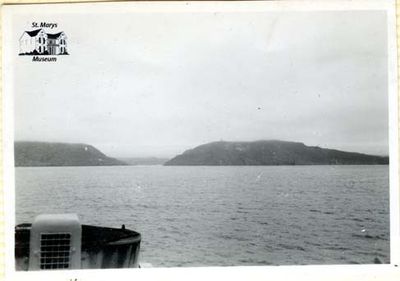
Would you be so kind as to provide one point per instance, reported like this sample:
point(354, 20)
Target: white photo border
point(310, 272)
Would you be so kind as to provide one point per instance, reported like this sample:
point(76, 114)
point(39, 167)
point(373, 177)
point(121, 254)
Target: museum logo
point(43, 45)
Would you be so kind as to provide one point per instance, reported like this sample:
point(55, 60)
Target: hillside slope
point(60, 154)
point(271, 152)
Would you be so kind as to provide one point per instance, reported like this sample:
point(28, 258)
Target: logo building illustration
point(38, 42)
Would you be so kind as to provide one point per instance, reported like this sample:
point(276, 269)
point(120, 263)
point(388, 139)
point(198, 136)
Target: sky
point(156, 84)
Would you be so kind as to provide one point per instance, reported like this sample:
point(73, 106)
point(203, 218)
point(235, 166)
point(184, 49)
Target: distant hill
point(144, 160)
point(60, 154)
point(270, 152)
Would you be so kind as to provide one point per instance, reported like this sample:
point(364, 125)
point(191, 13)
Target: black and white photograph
point(202, 135)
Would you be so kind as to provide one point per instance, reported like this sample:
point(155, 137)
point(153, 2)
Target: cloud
point(161, 83)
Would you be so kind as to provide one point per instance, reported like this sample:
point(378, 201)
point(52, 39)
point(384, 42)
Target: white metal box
point(55, 242)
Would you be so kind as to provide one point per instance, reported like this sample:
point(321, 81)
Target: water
point(220, 216)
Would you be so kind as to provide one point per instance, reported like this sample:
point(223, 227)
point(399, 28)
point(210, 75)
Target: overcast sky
point(158, 84)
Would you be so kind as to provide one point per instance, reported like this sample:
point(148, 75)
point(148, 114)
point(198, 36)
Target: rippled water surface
point(201, 216)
